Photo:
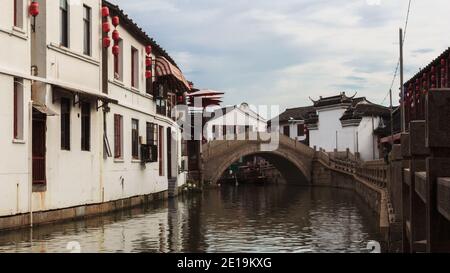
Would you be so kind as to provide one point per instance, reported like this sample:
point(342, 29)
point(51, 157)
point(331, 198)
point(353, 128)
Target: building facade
point(292, 123)
point(82, 120)
point(343, 122)
point(228, 122)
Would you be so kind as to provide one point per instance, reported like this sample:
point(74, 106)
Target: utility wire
point(398, 63)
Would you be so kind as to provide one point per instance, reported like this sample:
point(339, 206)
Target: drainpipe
point(30, 160)
point(373, 139)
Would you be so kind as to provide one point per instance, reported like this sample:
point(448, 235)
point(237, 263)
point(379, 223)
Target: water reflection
point(229, 219)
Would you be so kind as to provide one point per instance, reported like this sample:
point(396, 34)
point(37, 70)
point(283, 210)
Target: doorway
point(39, 148)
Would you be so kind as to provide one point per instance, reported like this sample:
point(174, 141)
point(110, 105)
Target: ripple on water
point(244, 219)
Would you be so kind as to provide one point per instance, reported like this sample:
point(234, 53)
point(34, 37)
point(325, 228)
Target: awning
point(165, 68)
point(389, 139)
point(44, 109)
point(83, 93)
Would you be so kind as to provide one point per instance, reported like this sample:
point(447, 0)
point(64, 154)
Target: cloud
point(282, 52)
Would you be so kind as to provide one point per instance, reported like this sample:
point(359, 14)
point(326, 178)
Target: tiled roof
point(299, 113)
point(137, 31)
point(435, 62)
point(333, 100)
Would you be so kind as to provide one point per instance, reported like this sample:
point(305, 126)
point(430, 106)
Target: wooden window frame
point(134, 67)
point(118, 136)
point(85, 126)
point(64, 23)
point(135, 139)
point(301, 129)
point(65, 123)
point(87, 30)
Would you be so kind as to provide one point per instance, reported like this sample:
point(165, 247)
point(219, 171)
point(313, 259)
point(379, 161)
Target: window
point(118, 140)
point(152, 134)
point(134, 67)
point(300, 129)
point(135, 138)
point(286, 131)
point(64, 22)
point(65, 124)
point(18, 109)
point(18, 13)
point(87, 30)
point(85, 126)
point(118, 59)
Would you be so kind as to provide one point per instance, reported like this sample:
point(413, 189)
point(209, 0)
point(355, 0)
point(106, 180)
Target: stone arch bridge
point(292, 158)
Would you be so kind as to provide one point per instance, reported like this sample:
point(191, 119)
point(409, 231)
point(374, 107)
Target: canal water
point(227, 219)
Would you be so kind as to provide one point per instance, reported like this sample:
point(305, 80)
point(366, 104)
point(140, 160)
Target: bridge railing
point(375, 172)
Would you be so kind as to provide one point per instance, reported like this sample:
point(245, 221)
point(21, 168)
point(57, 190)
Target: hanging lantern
point(148, 62)
point(180, 99)
point(34, 9)
point(115, 50)
point(106, 42)
point(105, 11)
point(433, 69)
point(115, 35)
point(115, 21)
point(442, 61)
point(148, 74)
point(106, 27)
point(148, 49)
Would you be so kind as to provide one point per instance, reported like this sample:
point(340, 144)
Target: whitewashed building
point(80, 125)
point(292, 123)
point(15, 107)
point(343, 122)
point(227, 122)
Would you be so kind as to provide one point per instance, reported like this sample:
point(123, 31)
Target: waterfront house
point(292, 123)
point(15, 107)
point(86, 113)
point(228, 122)
point(343, 122)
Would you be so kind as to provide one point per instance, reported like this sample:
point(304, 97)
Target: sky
point(267, 52)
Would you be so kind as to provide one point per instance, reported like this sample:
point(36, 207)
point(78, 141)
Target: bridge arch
point(292, 158)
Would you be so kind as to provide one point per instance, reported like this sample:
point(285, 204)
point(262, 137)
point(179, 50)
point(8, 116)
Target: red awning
point(165, 68)
point(388, 139)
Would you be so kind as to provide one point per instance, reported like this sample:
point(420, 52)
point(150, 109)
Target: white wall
point(367, 141)
point(328, 125)
point(14, 163)
point(293, 130)
point(74, 177)
point(236, 117)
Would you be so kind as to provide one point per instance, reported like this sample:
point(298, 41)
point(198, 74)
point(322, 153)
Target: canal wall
point(325, 175)
point(83, 211)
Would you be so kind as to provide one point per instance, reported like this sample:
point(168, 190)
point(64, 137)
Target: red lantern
point(106, 27)
point(34, 9)
point(180, 99)
point(148, 62)
point(115, 35)
point(148, 49)
point(106, 42)
point(115, 50)
point(442, 61)
point(115, 21)
point(432, 69)
point(148, 74)
point(105, 11)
